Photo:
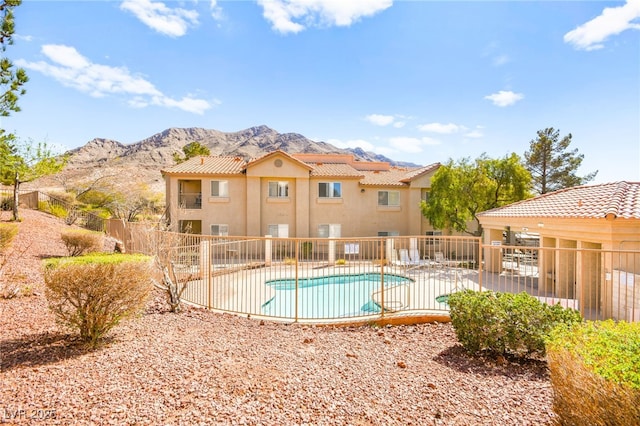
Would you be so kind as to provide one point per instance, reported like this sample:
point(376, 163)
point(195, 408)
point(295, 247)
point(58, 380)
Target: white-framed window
point(330, 190)
point(388, 198)
point(388, 234)
point(220, 230)
point(329, 230)
point(280, 230)
point(219, 188)
point(278, 189)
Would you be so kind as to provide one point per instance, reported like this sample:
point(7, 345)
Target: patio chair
point(439, 259)
point(404, 258)
point(414, 256)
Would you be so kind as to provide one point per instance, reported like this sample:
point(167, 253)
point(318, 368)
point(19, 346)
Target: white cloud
point(501, 60)
point(23, 37)
point(411, 145)
point(293, 16)
point(399, 124)
point(474, 134)
point(612, 21)
point(216, 11)
point(73, 70)
point(379, 119)
point(440, 128)
point(173, 22)
point(504, 98)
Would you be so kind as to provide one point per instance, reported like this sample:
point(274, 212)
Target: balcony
point(190, 200)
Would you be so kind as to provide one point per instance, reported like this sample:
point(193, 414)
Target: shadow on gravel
point(40, 349)
point(457, 358)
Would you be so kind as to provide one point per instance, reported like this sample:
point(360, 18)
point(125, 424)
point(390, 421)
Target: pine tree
point(551, 164)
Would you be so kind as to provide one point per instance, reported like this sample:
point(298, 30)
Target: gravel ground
point(199, 367)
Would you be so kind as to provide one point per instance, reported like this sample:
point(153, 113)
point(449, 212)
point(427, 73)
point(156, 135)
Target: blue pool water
point(333, 296)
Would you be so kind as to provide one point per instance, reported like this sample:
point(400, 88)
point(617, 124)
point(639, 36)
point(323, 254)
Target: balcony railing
point(190, 200)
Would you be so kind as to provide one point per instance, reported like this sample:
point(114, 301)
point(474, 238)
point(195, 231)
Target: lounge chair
point(439, 259)
point(417, 261)
point(404, 258)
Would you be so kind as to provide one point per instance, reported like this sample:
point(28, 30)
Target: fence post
point(268, 247)
point(381, 279)
point(205, 266)
point(297, 262)
point(480, 260)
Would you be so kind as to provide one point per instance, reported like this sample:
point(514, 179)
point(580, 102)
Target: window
point(329, 230)
point(388, 198)
point(220, 230)
point(219, 188)
point(388, 234)
point(278, 231)
point(278, 189)
point(426, 195)
point(330, 190)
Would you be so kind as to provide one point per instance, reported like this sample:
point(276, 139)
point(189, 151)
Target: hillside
point(141, 162)
point(199, 367)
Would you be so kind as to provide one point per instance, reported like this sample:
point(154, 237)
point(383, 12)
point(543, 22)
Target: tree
point(12, 80)
point(552, 167)
point(138, 199)
point(459, 191)
point(26, 162)
point(193, 149)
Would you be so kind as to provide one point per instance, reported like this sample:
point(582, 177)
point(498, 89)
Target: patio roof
point(608, 200)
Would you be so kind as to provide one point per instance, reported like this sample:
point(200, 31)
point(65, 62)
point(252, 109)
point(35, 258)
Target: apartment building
point(297, 195)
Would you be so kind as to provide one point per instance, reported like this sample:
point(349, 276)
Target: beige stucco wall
point(249, 210)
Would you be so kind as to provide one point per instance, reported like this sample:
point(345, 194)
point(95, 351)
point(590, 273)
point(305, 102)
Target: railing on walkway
point(328, 280)
point(39, 200)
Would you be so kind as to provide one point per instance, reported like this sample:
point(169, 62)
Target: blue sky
point(419, 81)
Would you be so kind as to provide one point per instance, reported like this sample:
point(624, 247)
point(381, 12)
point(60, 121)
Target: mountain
point(142, 161)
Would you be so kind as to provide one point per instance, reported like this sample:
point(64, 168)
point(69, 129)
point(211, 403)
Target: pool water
point(333, 296)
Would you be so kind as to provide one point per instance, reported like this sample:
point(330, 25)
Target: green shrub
point(595, 373)
point(7, 233)
point(44, 206)
point(505, 323)
point(6, 204)
point(80, 242)
point(94, 293)
point(58, 211)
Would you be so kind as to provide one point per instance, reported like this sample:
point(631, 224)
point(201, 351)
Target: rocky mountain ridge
point(142, 161)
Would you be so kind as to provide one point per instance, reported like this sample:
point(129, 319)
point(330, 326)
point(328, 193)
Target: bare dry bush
point(8, 231)
point(582, 397)
point(8, 288)
point(93, 295)
point(79, 242)
point(176, 275)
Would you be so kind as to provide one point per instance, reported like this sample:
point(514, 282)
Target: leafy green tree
point(460, 190)
point(193, 149)
point(552, 165)
point(26, 162)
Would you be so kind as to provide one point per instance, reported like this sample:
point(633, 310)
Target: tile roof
point(621, 199)
point(276, 153)
point(412, 174)
point(340, 166)
point(218, 165)
point(335, 170)
point(394, 177)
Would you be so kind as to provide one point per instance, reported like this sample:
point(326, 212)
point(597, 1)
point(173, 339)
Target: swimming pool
point(332, 296)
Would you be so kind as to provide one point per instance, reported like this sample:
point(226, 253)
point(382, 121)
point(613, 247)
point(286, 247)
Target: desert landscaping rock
point(203, 368)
